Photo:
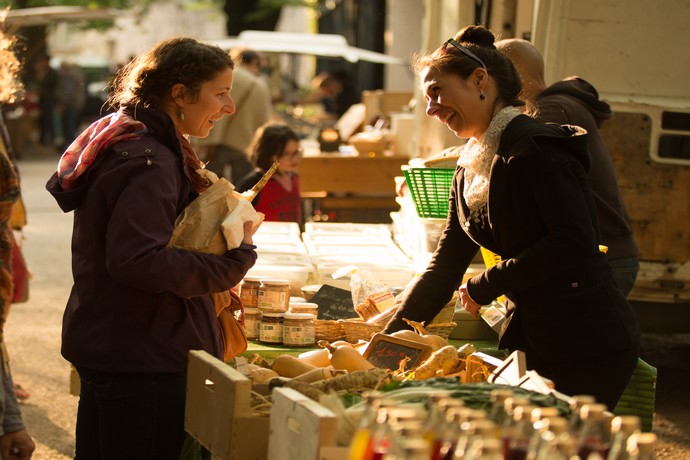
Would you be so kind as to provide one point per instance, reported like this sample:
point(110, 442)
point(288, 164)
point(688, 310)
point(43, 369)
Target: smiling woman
point(520, 191)
point(138, 306)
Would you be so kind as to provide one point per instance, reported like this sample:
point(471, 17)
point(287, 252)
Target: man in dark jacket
point(574, 101)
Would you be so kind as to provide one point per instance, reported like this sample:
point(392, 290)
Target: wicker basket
point(356, 329)
point(328, 329)
point(441, 329)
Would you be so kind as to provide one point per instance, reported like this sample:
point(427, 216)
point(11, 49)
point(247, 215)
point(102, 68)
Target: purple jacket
point(136, 304)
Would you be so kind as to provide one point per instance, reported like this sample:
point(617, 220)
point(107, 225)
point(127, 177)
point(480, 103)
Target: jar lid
point(251, 279)
point(276, 282)
point(272, 314)
point(290, 315)
point(304, 305)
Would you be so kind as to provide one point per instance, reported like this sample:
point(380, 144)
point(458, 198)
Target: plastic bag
point(369, 296)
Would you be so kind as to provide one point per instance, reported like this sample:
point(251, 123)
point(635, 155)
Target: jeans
point(130, 416)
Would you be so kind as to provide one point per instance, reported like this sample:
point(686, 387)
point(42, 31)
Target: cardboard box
point(302, 429)
point(218, 413)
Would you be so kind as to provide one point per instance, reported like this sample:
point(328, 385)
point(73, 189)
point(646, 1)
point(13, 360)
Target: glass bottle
point(362, 437)
point(414, 449)
point(435, 406)
point(546, 432)
point(443, 428)
point(566, 449)
point(497, 413)
point(576, 403)
point(472, 431)
point(485, 449)
point(506, 429)
point(641, 446)
point(594, 433)
point(388, 421)
point(522, 433)
point(622, 427)
point(445, 447)
point(404, 431)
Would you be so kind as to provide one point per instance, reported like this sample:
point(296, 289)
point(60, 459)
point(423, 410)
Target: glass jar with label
point(252, 323)
point(271, 329)
point(298, 330)
point(274, 294)
point(249, 292)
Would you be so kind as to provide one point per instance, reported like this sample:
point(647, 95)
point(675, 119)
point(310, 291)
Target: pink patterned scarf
point(99, 136)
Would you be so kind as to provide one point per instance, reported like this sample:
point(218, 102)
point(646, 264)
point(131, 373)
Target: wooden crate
point(217, 412)
point(302, 429)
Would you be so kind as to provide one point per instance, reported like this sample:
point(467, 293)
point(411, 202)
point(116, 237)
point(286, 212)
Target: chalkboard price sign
point(334, 303)
point(386, 352)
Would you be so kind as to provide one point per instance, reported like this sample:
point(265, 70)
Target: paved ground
point(33, 337)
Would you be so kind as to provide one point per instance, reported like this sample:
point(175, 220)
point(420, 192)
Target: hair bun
point(476, 35)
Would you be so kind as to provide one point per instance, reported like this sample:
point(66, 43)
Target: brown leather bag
point(228, 304)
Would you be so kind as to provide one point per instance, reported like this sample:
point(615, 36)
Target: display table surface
point(271, 351)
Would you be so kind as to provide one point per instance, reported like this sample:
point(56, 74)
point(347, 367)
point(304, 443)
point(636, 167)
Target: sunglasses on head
point(463, 50)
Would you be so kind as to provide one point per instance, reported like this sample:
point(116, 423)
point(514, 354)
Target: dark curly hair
point(148, 78)
point(479, 41)
point(269, 143)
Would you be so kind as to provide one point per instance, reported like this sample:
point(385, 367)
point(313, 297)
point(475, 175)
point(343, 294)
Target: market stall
point(319, 370)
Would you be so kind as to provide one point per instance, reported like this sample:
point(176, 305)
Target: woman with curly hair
point(138, 306)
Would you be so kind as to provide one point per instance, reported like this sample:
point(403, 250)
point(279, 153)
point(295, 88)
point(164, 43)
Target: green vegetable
point(476, 395)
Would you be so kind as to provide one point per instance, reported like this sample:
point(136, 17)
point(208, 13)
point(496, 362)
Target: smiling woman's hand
point(467, 302)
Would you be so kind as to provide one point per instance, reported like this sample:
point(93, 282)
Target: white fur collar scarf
point(477, 157)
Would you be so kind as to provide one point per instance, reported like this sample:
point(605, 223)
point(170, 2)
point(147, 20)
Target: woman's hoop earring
point(181, 115)
point(481, 96)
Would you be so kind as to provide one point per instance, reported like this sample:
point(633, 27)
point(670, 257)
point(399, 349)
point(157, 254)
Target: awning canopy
point(45, 15)
point(327, 45)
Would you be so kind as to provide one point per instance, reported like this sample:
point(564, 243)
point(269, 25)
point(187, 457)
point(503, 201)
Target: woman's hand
point(467, 302)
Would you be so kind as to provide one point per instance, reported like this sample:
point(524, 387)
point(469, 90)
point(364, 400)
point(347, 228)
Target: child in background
point(279, 200)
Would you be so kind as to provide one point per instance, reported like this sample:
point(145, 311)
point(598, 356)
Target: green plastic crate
point(430, 189)
point(638, 397)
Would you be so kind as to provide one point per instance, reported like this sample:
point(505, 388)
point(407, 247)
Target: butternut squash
point(348, 358)
point(436, 342)
point(318, 358)
point(410, 335)
point(290, 366)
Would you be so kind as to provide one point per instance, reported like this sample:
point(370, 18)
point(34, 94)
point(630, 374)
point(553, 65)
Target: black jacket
point(543, 224)
point(574, 101)
point(136, 304)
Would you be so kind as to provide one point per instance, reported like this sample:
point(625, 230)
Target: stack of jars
point(512, 429)
point(269, 316)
